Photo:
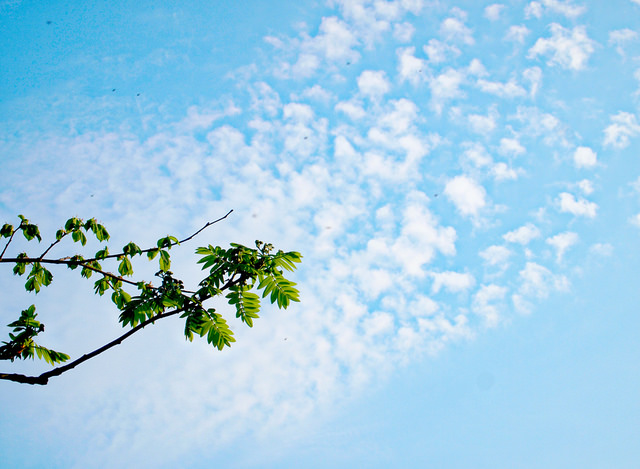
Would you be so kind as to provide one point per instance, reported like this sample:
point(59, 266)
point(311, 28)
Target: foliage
point(237, 272)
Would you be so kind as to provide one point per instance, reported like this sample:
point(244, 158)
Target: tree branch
point(66, 260)
point(44, 377)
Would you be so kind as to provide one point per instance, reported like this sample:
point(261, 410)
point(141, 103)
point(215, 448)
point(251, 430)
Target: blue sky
point(462, 178)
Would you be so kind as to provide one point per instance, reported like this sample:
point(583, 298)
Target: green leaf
point(164, 261)
point(125, 267)
point(79, 236)
point(120, 298)
point(31, 231)
point(101, 233)
point(101, 286)
point(19, 268)
point(72, 224)
point(152, 253)
point(6, 231)
point(75, 261)
point(131, 249)
point(98, 230)
point(103, 253)
point(167, 242)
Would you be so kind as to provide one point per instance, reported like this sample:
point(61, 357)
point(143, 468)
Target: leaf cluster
point(239, 272)
point(22, 345)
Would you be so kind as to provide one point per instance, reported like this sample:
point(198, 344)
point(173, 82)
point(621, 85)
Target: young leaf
point(102, 253)
point(79, 236)
point(6, 230)
point(164, 261)
point(125, 267)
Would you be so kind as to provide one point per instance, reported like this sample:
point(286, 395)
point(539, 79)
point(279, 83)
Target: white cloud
point(565, 8)
point(305, 66)
point(620, 38)
point(317, 93)
point(585, 186)
point(483, 124)
point(454, 29)
point(454, 282)
point(502, 172)
point(410, 67)
point(373, 83)
point(584, 157)
point(353, 109)
point(298, 112)
point(517, 33)
point(579, 207)
point(476, 68)
point(540, 124)
point(523, 235)
point(496, 256)
point(482, 303)
point(561, 242)
point(601, 249)
point(510, 147)
point(533, 9)
point(466, 194)
point(445, 87)
point(510, 89)
point(521, 304)
point(636, 185)
point(492, 12)
point(438, 51)
point(335, 39)
point(635, 220)
point(534, 76)
point(569, 49)
point(477, 154)
point(265, 99)
point(623, 126)
point(403, 32)
point(538, 281)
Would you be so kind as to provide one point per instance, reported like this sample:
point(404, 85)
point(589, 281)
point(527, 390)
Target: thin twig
point(7, 245)
point(111, 256)
point(52, 245)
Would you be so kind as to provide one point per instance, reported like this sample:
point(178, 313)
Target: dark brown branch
point(44, 377)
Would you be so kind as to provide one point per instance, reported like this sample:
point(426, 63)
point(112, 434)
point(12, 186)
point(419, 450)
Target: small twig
point(111, 256)
point(205, 227)
point(52, 245)
point(7, 245)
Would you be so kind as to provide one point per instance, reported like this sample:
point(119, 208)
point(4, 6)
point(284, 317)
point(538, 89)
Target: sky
point(462, 179)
